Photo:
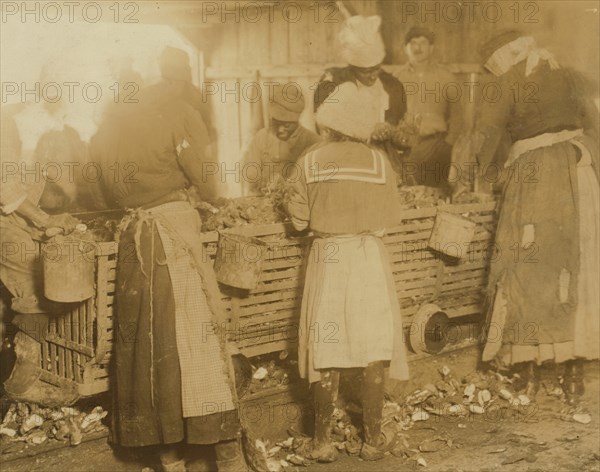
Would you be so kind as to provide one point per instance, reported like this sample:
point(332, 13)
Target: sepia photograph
point(299, 235)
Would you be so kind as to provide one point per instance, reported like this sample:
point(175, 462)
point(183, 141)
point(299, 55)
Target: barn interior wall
point(240, 54)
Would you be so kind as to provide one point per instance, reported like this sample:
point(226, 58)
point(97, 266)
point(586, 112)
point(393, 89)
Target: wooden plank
point(463, 275)
point(269, 317)
point(418, 225)
point(416, 274)
point(280, 251)
point(415, 292)
point(479, 281)
point(52, 349)
point(54, 379)
point(279, 44)
point(45, 355)
point(274, 286)
point(467, 266)
point(258, 350)
point(400, 264)
point(278, 275)
point(417, 236)
point(274, 338)
point(260, 335)
point(283, 264)
point(456, 68)
point(267, 307)
point(229, 72)
point(298, 35)
point(71, 330)
point(61, 344)
point(227, 45)
point(81, 310)
point(101, 304)
point(90, 315)
point(227, 122)
point(60, 328)
point(77, 364)
point(259, 299)
point(254, 47)
point(422, 282)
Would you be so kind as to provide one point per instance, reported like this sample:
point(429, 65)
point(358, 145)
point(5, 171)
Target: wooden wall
point(239, 54)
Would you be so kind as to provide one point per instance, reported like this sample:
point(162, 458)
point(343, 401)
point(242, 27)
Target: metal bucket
point(239, 260)
point(451, 234)
point(69, 269)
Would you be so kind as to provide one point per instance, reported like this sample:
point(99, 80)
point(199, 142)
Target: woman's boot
point(573, 385)
point(532, 372)
point(321, 447)
point(230, 457)
point(372, 400)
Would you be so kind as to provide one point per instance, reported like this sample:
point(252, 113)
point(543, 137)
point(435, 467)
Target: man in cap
point(437, 116)
point(382, 95)
point(274, 150)
point(349, 209)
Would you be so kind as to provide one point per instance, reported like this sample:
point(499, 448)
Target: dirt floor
point(540, 437)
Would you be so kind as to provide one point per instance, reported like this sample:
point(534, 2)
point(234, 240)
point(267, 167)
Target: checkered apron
point(205, 388)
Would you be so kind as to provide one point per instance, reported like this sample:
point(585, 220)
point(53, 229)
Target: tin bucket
point(451, 234)
point(69, 269)
point(239, 260)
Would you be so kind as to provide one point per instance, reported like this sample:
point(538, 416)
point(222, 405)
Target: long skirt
point(149, 393)
point(545, 274)
point(348, 307)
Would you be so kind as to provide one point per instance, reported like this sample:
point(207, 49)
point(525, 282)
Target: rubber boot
point(532, 373)
point(372, 400)
point(27, 368)
point(32, 331)
point(325, 395)
point(230, 457)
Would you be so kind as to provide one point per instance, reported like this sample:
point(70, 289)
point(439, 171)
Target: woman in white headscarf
point(382, 95)
point(544, 276)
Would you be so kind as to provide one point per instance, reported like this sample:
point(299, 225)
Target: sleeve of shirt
point(493, 118)
point(195, 150)
point(296, 201)
point(12, 190)
point(455, 114)
point(325, 87)
point(397, 95)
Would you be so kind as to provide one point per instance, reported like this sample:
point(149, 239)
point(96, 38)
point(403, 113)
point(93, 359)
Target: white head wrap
point(516, 51)
point(361, 42)
point(344, 111)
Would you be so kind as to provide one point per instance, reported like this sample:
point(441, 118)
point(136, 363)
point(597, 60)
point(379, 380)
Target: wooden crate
point(78, 346)
point(265, 319)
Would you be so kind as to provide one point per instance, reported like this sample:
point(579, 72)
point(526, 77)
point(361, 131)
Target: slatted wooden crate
point(79, 343)
point(263, 320)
